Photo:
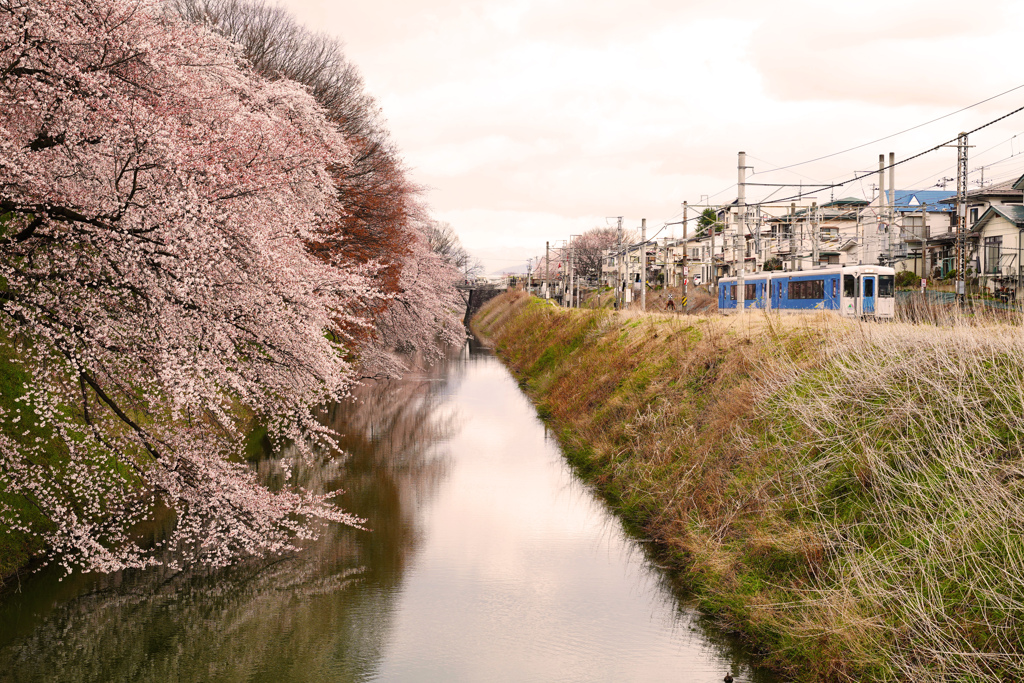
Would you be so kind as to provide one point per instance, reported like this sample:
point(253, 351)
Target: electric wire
point(906, 130)
point(900, 162)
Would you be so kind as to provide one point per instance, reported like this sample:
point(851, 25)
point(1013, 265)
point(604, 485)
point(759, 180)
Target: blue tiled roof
point(911, 200)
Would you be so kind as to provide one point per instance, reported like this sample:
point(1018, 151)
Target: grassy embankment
point(849, 496)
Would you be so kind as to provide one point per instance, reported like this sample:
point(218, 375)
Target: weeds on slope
point(910, 442)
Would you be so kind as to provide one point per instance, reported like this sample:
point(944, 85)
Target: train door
point(868, 295)
point(778, 292)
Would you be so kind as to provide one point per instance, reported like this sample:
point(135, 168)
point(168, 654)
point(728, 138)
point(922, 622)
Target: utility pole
point(686, 250)
point(860, 242)
point(714, 269)
point(881, 189)
point(741, 225)
point(620, 258)
point(643, 264)
point(547, 269)
point(792, 236)
point(814, 235)
point(664, 264)
point(572, 274)
point(529, 274)
point(961, 215)
point(893, 231)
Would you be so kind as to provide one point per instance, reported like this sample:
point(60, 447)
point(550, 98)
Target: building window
point(913, 227)
point(974, 215)
point(992, 247)
point(829, 234)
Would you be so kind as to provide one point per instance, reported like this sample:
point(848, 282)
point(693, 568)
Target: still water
point(487, 561)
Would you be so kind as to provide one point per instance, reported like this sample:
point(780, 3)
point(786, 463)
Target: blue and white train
point(855, 291)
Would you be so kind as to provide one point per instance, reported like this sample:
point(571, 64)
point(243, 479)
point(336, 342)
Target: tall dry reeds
point(908, 443)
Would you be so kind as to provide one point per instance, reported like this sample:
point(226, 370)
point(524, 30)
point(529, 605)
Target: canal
point(486, 560)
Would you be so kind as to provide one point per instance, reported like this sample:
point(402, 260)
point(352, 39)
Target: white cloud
point(532, 120)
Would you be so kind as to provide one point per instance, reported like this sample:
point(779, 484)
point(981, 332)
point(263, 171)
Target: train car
point(854, 291)
point(756, 292)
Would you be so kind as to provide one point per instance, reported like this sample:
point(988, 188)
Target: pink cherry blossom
point(158, 199)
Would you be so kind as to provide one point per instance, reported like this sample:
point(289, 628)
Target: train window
point(849, 285)
point(885, 286)
point(807, 289)
point(732, 292)
point(869, 287)
point(750, 293)
point(835, 287)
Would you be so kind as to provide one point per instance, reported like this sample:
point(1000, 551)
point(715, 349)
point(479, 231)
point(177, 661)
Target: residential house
point(941, 249)
point(996, 241)
point(921, 221)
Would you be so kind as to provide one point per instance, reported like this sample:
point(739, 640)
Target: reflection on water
point(487, 561)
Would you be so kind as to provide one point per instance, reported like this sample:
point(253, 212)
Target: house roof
point(826, 212)
point(1010, 188)
point(912, 200)
point(1011, 212)
point(848, 201)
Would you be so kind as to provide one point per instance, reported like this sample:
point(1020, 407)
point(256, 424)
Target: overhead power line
point(887, 137)
point(867, 174)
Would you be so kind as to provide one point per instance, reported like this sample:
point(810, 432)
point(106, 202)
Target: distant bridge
point(475, 296)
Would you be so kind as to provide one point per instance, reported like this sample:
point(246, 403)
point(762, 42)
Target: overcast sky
point(531, 120)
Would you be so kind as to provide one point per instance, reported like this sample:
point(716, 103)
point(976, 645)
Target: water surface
point(488, 560)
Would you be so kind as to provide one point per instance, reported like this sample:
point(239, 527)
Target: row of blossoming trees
point(187, 230)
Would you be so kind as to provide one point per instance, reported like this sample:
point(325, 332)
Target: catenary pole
point(686, 250)
point(740, 250)
point(961, 214)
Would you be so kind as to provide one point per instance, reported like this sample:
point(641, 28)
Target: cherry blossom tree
point(384, 225)
point(157, 201)
point(589, 249)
